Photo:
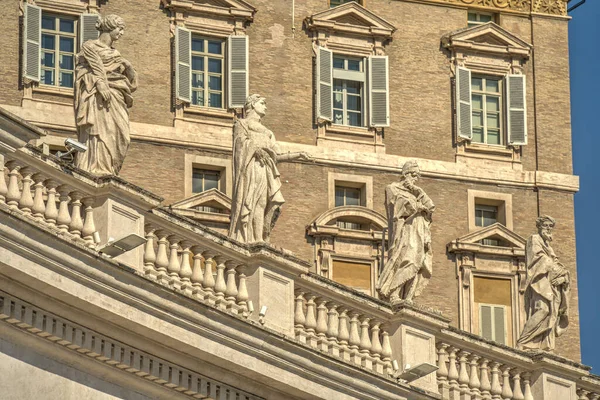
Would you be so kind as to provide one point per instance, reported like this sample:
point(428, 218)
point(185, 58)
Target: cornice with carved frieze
point(551, 7)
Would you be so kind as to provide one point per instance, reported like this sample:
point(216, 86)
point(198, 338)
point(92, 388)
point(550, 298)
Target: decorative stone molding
point(227, 16)
point(198, 207)
point(554, 7)
point(511, 5)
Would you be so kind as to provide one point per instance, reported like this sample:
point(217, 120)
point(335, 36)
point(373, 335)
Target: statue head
point(411, 172)
point(545, 225)
point(256, 103)
point(111, 24)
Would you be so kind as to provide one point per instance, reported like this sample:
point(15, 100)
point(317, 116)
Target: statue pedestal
point(551, 387)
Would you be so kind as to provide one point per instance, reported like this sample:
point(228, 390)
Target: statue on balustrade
point(409, 211)
point(104, 82)
point(547, 291)
point(257, 197)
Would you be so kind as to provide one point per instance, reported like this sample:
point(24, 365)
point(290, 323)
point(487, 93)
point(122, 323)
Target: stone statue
point(409, 265)
point(547, 291)
point(104, 82)
point(257, 197)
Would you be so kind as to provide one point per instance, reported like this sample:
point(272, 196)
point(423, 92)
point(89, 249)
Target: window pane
point(198, 63)
point(67, 44)
point(477, 118)
point(197, 44)
point(198, 98)
point(352, 197)
point(48, 22)
point(214, 47)
point(198, 80)
point(214, 65)
point(476, 102)
point(48, 42)
point(492, 85)
point(354, 65)
point(197, 178)
point(338, 85)
point(353, 87)
point(66, 79)
point(66, 62)
point(477, 135)
point(492, 103)
point(354, 119)
point(338, 62)
point(337, 100)
point(493, 137)
point(214, 83)
point(478, 217)
point(67, 25)
point(472, 17)
point(354, 103)
point(339, 197)
point(211, 181)
point(338, 117)
point(48, 59)
point(476, 84)
point(485, 18)
point(216, 100)
point(48, 77)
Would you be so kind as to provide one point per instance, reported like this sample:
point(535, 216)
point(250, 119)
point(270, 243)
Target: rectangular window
point(486, 101)
point(207, 72)
point(58, 49)
point(203, 180)
point(335, 3)
point(349, 225)
point(477, 18)
point(353, 274)
point(348, 86)
point(493, 308)
point(492, 324)
point(346, 196)
point(485, 215)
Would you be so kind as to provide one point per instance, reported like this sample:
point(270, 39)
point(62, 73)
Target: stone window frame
point(356, 41)
point(57, 8)
point(501, 200)
point(362, 182)
point(209, 22)
point(223, 165)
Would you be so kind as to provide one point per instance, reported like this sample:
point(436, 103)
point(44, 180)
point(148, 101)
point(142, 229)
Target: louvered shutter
point(238, 71)
point(499, 325)
point(463, 103)
point(517, 114)
point(32, 37)
point(324, 84)
point(485, 324)
point(87, 28)
point(379, 100)
point(183, 68)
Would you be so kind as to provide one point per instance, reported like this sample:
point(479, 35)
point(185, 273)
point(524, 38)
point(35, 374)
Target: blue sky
point(584, 36)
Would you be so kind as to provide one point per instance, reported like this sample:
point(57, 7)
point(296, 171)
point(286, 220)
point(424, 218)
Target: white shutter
point(517, 113)
point(379, 99)
point(463, 103)
point(324, 84)
point(485, 322)
point(238, 71)
point(32, 39)
point(499, 325)
point(87, 28)
point(183, 62)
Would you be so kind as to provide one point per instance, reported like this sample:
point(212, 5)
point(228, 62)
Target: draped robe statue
point(409, 265)
point(104, 82)
point(547, 291)
point(257, 197)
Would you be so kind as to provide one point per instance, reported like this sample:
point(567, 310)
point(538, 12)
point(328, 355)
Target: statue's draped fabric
point(409, 265)
point(546, 304)
point(257, 194)
point(102, 126)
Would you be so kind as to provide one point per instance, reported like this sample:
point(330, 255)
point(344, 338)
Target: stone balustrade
point(192, 267)
point(64, 208)
point(342, 331)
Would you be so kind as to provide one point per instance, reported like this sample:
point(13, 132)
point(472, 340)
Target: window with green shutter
point(58, 50)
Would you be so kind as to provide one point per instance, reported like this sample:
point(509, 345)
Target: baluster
point(220, 284)
point(344, 335)
point(452, 370)
point(322, 324)
point(174, 266)
point(496, 390)
point(185, 271)
point(517, 392)
point(3, 186)
point(13, 194)
point(39, 207)
point(486, 386)
point(89, 227)
point(474, 383)
point(507, 392)
point(149, 254)
point(209, 279)
point(197, 277)
point(162, 259)
point(386, 350)
point(376, 347)
point(299, 317)
point(26, 201)
point(76, 224)
point(231, 290)
point(311, 320)
point(583, 394)
point(527, 386)
point(463, 374)
point(442, 372)
point(365, 340)
point(63, 220)
point(51, 212)
point(333, 330)
point(242, 296)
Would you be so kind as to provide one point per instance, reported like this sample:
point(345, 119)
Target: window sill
point(351, 130)
point(211, 112)
point(499, 150)
point(67, 92)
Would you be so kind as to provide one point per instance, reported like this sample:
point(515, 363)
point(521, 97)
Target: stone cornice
point(550, 7)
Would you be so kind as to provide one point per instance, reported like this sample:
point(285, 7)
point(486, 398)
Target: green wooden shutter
point(87, 28)
point(32, 39)
point(324, 88)
point(485, 322)
point(499, 325)
point(463, 103)
point(183, 62)
point(238, 71)
point(379, 100)
point(517, 113)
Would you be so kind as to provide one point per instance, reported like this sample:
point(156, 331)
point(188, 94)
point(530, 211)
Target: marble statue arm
point(301, 155)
